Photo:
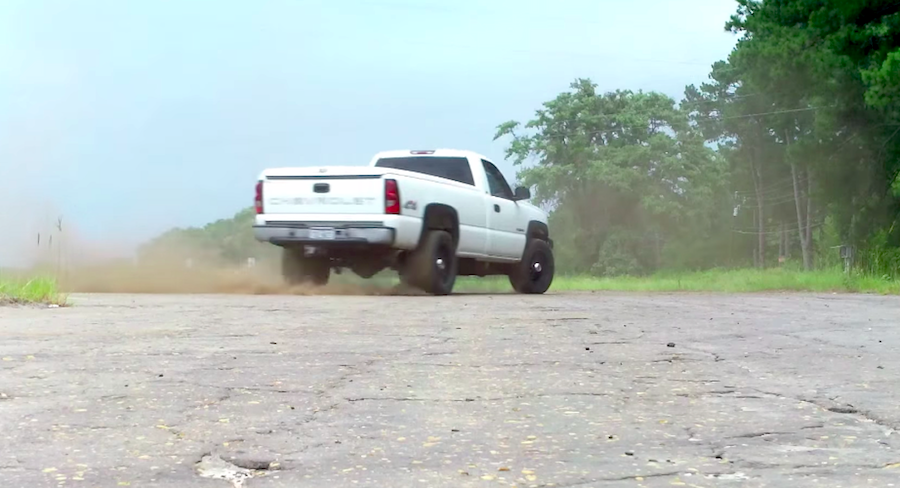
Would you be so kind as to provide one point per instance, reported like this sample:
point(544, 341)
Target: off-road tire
point(297, 269)
point(525, 277)
point(432, 267)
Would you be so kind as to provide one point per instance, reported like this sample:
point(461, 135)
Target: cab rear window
point(451, 168)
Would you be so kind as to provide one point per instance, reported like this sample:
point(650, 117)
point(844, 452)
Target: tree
point(225, 241)
point(831, 68)
point(730, 112)
point(625, 170)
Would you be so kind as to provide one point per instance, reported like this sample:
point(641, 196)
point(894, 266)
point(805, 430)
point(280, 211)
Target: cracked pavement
point(565, 390)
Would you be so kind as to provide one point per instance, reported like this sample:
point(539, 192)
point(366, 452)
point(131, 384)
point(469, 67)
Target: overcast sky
point(128, 117)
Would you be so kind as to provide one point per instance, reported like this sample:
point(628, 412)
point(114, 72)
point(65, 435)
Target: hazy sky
point(129, 117)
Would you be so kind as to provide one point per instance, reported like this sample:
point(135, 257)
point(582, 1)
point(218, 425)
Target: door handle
point(496, 208)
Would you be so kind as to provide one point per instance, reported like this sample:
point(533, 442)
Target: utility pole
point(734, 214)
point(781, 244)
point(847, 256)
point(59, 246)
point(756, 248)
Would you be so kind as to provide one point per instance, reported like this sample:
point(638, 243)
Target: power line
point(778, 112)
point(787, 228)
point(774, 197)
point(780, 192)
point(730, 98)
point(770, 188)
point(787, 198)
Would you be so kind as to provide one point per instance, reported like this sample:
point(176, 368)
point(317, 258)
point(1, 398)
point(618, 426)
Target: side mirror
point(522, 193)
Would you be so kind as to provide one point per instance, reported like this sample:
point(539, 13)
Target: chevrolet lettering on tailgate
point(321, 201)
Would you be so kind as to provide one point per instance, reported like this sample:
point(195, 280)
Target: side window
point(496, 181)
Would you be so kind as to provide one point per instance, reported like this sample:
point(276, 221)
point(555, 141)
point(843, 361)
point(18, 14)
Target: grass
point(34, 290)
point(718, 280)
point(18, 289)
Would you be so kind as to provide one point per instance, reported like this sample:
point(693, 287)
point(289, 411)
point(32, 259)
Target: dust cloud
point(206, 278)
point(34, 246)
point(87, 268)
point(37, 239)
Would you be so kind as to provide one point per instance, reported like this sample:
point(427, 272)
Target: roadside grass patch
point(716, 280)
point(39, 290)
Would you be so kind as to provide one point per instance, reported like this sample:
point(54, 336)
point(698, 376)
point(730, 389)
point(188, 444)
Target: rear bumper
point(394, 231)
point(299, 233)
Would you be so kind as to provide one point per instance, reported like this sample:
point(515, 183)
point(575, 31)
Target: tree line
point(789, 151)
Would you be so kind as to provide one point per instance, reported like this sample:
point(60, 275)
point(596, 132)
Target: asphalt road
point(557, 390)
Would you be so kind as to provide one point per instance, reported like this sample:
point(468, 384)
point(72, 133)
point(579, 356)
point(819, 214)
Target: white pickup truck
point(430, 215)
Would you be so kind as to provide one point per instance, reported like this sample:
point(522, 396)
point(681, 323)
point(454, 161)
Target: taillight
point(391, 197)
point(259, 202)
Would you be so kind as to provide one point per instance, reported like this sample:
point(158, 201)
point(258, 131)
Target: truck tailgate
point(341, 193)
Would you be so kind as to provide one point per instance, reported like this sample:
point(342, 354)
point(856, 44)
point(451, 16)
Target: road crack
point(473, 399)
point(753, 435)
point(636, 477)
point(845, 409)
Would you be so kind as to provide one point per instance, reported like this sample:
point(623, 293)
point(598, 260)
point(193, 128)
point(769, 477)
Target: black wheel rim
point(537, 267)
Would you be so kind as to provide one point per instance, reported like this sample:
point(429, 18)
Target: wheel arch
point(439, 216)
point(538, 230)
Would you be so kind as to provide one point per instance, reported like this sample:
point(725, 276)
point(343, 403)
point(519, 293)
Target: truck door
point(506, 235)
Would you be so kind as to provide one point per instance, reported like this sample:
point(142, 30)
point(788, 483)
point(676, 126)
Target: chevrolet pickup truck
point(430, 215)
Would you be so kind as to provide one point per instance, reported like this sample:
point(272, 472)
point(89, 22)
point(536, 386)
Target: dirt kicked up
point(474, 390)
point(208, 279)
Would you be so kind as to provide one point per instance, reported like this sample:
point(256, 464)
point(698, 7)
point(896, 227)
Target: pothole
point(212, 466)
point(237, 467)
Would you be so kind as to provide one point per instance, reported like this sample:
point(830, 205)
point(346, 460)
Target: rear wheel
point(534, 273)
point(432, 266)
point(297, 269)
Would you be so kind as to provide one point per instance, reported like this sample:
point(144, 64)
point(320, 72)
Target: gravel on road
point(565, 390)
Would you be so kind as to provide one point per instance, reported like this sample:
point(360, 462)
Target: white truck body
point(355, 203)
point(387, 205)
